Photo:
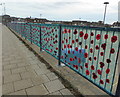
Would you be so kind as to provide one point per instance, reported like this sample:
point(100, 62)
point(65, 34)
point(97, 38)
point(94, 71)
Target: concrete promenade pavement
point(23, 73)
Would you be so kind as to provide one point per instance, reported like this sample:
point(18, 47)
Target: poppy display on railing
point(91, 52)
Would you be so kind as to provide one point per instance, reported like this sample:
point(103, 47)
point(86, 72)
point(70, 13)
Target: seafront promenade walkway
point(23, 73)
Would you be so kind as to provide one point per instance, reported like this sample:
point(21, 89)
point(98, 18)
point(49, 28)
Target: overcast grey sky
point(90, 10)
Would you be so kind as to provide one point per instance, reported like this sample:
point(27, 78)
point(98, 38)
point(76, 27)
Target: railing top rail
point(77, 26)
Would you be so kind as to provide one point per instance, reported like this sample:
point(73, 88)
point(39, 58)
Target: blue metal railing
point(92, 52)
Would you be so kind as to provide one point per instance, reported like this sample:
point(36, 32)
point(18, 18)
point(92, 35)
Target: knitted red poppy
point(113, 38)
point(107, 71)
point(86, 36)
point(101, 82)
point(75, 31)
point(112, 51)
point(98, 36)
point(106, 36)
point(85, 55)
point(87, 72)
point(99, 71)
point(81, 34)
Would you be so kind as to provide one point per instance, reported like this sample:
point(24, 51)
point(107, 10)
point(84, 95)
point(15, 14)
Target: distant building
point(116, 25)
point(36, 20)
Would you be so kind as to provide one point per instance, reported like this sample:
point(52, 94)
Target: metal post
point(105, 11)
point(59, 52)
point(40, 40)
point(118, 86)
point(31, 33)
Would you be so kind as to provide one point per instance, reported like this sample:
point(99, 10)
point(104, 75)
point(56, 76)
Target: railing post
point(40, 39)
point(118, 85)
point(59, 46)
point(31, 33)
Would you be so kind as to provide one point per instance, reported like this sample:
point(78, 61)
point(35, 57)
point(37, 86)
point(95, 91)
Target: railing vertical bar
point(115, 67)
point(94, 48)
point(40, 39)
point(98, 53)
point(59, 48)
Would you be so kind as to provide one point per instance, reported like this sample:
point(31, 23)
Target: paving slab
point(22, 84)
point(21, 92)
point(40, 79)
point(37, 90)
point(7, 88)
point(53, 86)
point(12, 78)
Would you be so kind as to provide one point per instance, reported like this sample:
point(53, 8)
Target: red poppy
point(86, 65)
point(65, 30)
point(98, 36)
point(81, 67)
point(76, 48)
point(91, 41)
point(107, 81)
point(62, 41)
point(87, 72)
point(56, 48)
point(64, 46)
point(112, 51)
point(97, 47)
point(68, 51)
point(76, 66)
point(73, 41)
point(69, 31)
point(86, 36)
point(75, 57)
point(71, 59)
point(91, 50)
point(90, 58)
point(106, 36)
point(94, 76)
point(95, 58)
point(86, 46)
point(66, 40)
point(99, 71)
point(102, 64)
point(75, 31)
point(108, 60)
point(113, 38)
point(56, 36)
point(103, 46)
point(107, 70)
point(92, 67)
point(85, 55)
point(62, 57)
point(68, 45)
point(79, 60)
point(80, 43)
point(76, 40)
point(102, 53)
point(81, 34)
point(92, 34)
point(101, 81)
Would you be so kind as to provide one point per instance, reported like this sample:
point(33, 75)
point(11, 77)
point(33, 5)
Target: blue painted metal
point(49, 37)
